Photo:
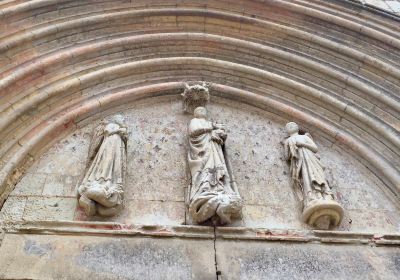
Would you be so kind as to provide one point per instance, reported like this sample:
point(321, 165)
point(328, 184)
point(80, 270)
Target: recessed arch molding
point(334, 68)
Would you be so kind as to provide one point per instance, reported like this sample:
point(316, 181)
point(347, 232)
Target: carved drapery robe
point(306, 170)
point(211, 194)
point(101, 190)
point(320, 209)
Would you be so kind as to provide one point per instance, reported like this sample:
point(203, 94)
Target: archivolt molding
point(74, 85)
point(9, 42)
point(316, 10)
point(18, 73)
point(274, 62)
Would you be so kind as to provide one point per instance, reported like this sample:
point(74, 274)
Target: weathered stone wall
point(157, 173)
point(85, 257)
point(331, 66)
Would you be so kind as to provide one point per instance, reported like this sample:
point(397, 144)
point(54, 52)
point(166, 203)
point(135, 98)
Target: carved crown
point(194, 96)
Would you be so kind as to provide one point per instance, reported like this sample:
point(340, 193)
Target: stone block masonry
point(330, 66)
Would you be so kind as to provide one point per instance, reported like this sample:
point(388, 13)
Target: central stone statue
point(212, 193)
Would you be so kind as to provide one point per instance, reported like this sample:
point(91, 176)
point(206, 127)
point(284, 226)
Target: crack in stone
point(218, 273)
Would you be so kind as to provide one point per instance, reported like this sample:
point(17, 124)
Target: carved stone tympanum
point(319, 207)
point(101, 190)
point(213, 192)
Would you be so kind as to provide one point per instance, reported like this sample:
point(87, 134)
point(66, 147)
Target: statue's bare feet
point(88, 205)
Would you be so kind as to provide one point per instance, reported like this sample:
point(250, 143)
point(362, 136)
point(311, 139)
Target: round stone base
point(323, 214)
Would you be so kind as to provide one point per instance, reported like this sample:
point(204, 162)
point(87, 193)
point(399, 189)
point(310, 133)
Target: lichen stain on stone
point(141, 261)
point(304, 264)
point(31, 247)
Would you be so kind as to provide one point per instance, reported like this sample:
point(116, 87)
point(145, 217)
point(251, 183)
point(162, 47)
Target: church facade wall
point(70, 68)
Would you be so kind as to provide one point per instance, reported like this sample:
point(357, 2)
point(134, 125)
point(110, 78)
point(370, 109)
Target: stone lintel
point(200, 232)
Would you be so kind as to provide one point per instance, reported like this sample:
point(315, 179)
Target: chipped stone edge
point(200, 232)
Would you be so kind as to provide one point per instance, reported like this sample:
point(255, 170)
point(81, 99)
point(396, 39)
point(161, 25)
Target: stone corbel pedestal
point(323, 214)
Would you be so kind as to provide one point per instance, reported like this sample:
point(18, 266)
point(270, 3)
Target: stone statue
point(101, 190)
point(213, 192)
point(319, 207)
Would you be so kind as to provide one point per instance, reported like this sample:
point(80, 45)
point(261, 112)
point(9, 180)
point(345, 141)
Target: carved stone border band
point(203, 232)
